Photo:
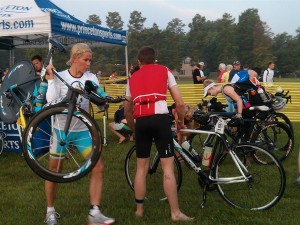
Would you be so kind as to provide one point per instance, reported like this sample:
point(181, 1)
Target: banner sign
point(11, 138)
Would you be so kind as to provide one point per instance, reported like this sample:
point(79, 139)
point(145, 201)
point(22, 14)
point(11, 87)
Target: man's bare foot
point(181, 217)
point(139, 214)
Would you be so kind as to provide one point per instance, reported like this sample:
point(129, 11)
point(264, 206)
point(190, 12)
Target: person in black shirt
point(198, 75)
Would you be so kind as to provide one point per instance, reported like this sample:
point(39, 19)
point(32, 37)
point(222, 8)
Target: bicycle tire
point(154, 175)
point(281, 117)
point(277, 138)
point(75, 165)
point(266, 183)
point(18, 75)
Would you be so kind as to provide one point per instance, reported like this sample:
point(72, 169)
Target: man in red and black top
point(146, 94)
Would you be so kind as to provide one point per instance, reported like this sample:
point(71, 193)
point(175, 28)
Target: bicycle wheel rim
point(266, 183)
point(154, 178)
point(77, 156)
point(280, 117)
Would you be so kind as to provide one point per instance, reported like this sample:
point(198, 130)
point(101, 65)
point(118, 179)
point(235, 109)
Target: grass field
point(22, 200)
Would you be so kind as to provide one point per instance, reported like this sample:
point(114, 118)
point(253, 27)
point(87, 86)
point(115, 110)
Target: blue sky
point(280, 15)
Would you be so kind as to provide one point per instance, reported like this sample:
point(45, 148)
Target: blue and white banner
point(10, 137)
point(39, 18)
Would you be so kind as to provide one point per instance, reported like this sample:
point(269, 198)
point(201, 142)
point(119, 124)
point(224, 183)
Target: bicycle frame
point(198, 170)
point(208, 179)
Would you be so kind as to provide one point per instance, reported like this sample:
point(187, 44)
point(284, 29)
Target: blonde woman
point(225, 77)
point(79, 62)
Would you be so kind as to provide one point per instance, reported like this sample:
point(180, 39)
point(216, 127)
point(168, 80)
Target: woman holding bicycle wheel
point(77, 74)
point(146, 95)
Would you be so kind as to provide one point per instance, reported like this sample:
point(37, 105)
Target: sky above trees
point(281, 15)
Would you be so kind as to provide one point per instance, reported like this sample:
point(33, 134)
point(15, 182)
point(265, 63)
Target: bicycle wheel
point(277, 138)
point(264, 184)
point(155, 173)
point(283, 118)
point(22, 76)
point(73, 154)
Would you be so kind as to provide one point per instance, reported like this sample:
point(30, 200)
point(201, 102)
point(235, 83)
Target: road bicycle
point(265, 129)
point(239, 176)
point(55, 125)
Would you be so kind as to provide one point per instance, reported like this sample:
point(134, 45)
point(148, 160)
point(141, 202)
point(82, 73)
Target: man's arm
point(128, 112)
point(180, 106)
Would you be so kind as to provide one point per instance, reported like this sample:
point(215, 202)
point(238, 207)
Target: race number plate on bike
point(219, 128)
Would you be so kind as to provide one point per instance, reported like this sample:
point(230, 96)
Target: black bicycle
point(55, 125)
point(263, 129)
point(233, 168)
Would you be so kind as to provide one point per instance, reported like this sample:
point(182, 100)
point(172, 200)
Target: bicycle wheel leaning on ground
point(264, 186)
point(155, 173)
point(76, 152)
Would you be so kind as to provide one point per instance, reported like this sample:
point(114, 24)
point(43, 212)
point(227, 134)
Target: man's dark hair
point(38, 57)
point(146, 55)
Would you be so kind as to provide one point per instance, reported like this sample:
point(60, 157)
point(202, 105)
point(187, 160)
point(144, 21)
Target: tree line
point(248, 40)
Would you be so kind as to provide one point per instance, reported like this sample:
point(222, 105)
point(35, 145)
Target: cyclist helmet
point(278, 104)
point(201, 117)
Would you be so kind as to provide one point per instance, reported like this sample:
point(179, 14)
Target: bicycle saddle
point(262, 108)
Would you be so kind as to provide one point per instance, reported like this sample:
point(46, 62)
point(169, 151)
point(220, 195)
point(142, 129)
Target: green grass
point(22, 199)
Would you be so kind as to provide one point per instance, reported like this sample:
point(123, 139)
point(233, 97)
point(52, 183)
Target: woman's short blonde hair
point(207, 82)
point(78, 50)
point(229, 67)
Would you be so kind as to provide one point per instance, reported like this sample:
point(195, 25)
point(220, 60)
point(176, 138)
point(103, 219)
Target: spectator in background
point(119, 127)
point(113, 75)
point(225, 77)
point(236, 68)
point(98, 74)
point(245, 67)
point(222, 70)
point(37, 62)
point(198, 75)
point(269, 74)
point(4, 73)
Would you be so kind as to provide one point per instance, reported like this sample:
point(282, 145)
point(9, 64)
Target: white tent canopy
point(29, 23)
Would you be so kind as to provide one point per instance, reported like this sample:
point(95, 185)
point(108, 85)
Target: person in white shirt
point(269, 74)
point(80, 62)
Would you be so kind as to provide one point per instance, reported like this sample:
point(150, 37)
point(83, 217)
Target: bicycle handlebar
point(91, 95)
point(284, 95)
